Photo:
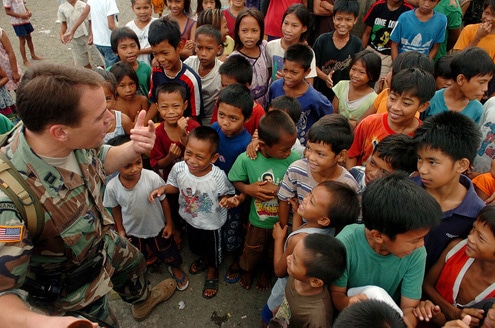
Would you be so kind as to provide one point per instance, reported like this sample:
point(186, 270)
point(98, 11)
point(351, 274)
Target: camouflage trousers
point(125, 269)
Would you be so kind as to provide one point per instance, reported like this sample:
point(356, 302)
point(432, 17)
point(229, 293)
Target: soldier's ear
point(59, 132)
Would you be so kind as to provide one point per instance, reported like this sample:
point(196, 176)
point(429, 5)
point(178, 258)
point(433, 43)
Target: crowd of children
point(359, 171)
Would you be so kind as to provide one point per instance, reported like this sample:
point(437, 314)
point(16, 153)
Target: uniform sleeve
point(15, 247)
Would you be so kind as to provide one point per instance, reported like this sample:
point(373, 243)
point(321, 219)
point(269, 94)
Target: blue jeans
point(108, 55)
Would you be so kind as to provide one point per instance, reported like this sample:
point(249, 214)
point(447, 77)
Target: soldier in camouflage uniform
point(60, 154)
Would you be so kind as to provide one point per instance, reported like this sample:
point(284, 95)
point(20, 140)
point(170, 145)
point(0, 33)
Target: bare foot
point(34, 57)
point(246, 280)
point(264, 282)
point(210, 288)
point(26, 62)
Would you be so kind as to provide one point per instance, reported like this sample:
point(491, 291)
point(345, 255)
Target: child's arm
point(111, 22)
point(483, 30)
point(283, 212)
point(327, 78)
point(232, 201)
point(340, 299)
point(152, 112)
point(365, 38)
point(117, 217)
point(252, 148)
point(433, 51)
point(350, 162)
point(166, 189)
point(280, 256)
point(16, 76)
point(3, 77)
point(407, 305)
point(168, 230)
point(394, 50)
point(174, 152)
point(335, 104)
point(261, 190)
point(127, 124)
point(68, 36)
point(183, 124)
point(25, 15)
point(63, 29)
point(322, 8)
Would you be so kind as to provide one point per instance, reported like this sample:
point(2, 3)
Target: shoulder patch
point(10, 234)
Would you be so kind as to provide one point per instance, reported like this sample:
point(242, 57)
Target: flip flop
point(179, 280)
point(210, 284)
point(197, 266)
point(232, 272)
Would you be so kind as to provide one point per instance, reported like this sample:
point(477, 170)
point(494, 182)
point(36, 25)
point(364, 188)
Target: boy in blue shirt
point(259, 179)
point(297, 65)
point(166, 45)
point(397, 214)
point(446, 145)
point(471, 69)
point(421, 30)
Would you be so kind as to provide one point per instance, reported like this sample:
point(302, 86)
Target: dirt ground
point(233, 306)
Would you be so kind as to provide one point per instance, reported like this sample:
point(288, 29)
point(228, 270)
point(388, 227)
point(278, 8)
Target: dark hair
point(299, 53)
point(346, 6)
point(472, 62)
point(258, 16)
point(199, 7)
point(399, 151)
point(452, 133)
point(273, 125)
point(134, 1)
point(119, 140)
point(123, 69)
point(51, 94)
point(172, 87)
point(210, 31)
point(371, 62)
point(489, 3)
point(207, 134)
point(487, 217)
point(333, 130)
point(238, 68)
point(369, 313)
point(412, 59)
point(210, 16)
point(326, 259)
point(287, 104)
point(414, 82)
point(122, 33)
point(110, 80)
point(302, 13)
point(239, 96)
point(442, 67)
point(395, 205)
point(343, 205)
point(164, 29)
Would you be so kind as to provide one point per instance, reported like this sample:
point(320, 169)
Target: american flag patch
point(10, 234)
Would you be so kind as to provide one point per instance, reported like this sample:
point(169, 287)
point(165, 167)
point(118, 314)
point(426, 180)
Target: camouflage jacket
point(75, 220)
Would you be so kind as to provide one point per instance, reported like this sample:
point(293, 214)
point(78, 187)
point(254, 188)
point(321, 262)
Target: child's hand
point(189, 44)
point(174, 151)
point(262, 190)
point(484, 29)
point(16, 76)
point(426, 310)
point(279, 75)
point(68, 37)
point(230, 202)
point(122, 235)
point(475, 314)
point(464, 323)
point(90, 39)
point(329, 81)
point(168, 231)
point(279, 232)
point(252, 148)
point(294, 203)
point(357, 298)
point(156, 193)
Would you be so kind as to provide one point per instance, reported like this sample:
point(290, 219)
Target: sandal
point(236, 273)
point(180, 281)
point(197, 266)
point(211, 284)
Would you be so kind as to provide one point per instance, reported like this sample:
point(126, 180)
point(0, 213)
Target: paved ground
point(233, 306)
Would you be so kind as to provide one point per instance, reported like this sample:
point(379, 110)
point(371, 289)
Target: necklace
point(336, 38)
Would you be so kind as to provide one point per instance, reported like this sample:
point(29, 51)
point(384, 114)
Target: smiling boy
point(471, 69)
point(410, 92)
point(166, 45)
point(397, 214)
